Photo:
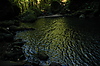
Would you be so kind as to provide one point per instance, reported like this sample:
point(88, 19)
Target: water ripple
point(63, 42)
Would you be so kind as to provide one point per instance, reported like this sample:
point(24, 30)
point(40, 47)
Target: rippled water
point(68, 41)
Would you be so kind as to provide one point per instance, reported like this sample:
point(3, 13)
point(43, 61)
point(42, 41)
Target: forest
point(89, 8)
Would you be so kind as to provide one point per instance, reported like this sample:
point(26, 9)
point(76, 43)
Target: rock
point(42, 56)
point(55, 64)
point(19, 43)
point(1, 38)
point(10, 63)
point(14, 55)
point(82, 16)
point(17, 23)
point(30, 64)
point(15, 28)
point(18, 40)
point(3, 30)
point(6, 23)
point(25, 29)
point(90, 16)
point(34, 64)
point(9, 37)
point(6, 37)
point(17, 63)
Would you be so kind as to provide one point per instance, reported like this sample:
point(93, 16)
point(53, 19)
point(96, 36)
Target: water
point(68, 41)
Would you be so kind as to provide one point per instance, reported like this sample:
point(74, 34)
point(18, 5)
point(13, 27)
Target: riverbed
point(68, 41)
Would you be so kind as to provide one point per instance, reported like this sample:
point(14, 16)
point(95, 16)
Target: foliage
point(90, 8)
point(36, 10)
point(8, 10)
point(80, 4)
point(28, 16)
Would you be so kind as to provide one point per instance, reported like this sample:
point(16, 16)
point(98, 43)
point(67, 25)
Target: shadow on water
point(69, 41)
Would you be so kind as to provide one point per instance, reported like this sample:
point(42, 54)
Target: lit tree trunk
point(29, 3)
point(32, 2)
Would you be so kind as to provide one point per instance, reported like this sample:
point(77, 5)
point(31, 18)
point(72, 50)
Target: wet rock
point(9, 23)
point(9, 37)
point(82, 16)
point(90, 16)
point(25, 29)
point(18, 40)
point(42, 56)
point(30, 64)
point(55, 64)
point(17, 24)
point(6, 37)
point(21, 43)
point(15, 28)
point(34, 64)
point(13, 55)
point(3, 30)
point(22, 57)
point(10, 63)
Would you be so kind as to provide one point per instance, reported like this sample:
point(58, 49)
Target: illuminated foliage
point(26, 4)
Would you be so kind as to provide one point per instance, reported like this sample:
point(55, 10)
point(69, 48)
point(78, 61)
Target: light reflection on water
point(62, 41)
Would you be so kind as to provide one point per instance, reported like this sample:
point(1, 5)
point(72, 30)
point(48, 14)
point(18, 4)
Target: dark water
point(68, 41)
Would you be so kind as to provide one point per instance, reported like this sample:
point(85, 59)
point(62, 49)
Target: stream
point(68, 41)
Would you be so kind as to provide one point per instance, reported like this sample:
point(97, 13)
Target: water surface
point(68, 41)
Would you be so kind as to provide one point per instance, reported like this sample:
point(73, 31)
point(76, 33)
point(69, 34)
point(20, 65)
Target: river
point(68, 41)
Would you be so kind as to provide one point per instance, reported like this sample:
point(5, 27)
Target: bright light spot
point(64, 0)
point(38, 0)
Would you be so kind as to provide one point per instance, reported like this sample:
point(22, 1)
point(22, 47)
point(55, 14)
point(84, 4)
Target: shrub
point(28, 16)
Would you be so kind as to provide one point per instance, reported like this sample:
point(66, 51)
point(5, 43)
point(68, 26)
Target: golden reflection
point(57, 38)
point(56, 32)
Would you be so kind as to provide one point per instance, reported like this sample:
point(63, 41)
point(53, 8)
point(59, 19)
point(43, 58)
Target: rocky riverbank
point(10, 49)
point(11, 52)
